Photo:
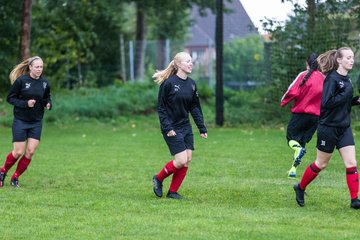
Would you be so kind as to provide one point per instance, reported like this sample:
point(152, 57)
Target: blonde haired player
point(30, 95)
point(178, 97)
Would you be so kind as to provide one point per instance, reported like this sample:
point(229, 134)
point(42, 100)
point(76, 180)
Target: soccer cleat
point(157, 187)
point(2, 178)
point(292, 172)
point(15, 182)
point(173, 195)
point(298, 155)
point(299, 195)
point(355, 203)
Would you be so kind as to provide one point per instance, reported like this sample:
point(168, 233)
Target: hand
point(171, 133)
point(203, 135)
point(48, 106)
point(31, 103)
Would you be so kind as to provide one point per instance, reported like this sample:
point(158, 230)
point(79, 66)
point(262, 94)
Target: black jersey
point(177, 98)
point(24, 89)
point(337, 99)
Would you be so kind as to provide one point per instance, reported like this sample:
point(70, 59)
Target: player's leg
point(19, 133)
point(180, 174)
point(177, 148)
point(326, 142)
point(294, 135)
point(347, 152)
point(24, 161)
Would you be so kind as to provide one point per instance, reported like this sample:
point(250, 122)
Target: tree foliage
point(79, 40)
point(292, 42)
point(10, 22)
point(242, 60)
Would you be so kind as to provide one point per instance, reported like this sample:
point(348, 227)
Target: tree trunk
point(140, 42)
point(219, 38)
point(311, 15)
point(25, 30)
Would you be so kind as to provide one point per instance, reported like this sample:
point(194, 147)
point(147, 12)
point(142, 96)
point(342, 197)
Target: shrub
point(104, 103)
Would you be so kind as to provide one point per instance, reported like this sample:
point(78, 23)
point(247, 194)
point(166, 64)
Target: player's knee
point(321, 165)
point(180, 162)
point(17, 153)
point(29, 152)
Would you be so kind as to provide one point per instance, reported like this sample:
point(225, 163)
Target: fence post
point(131, 60)
point(210, 62)
point(122, 57)
point(167, 52)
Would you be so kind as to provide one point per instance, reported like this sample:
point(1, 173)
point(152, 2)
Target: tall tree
point(140, 40)
point(311, 15)
point(219, 39)
point(25, 36)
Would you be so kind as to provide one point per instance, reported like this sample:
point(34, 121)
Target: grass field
point(93, 181)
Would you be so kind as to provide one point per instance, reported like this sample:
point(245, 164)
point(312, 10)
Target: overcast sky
point(273, 9)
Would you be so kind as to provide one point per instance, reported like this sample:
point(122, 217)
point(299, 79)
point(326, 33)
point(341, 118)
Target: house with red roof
point(201, 41)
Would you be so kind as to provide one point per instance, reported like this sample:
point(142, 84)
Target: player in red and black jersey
point(306, 92)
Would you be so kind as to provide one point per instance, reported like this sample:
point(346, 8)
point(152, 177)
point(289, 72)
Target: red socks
point(9, 162)
point(309, 175)
point(166, 171)
point(177, 179)
point(352, 179)
point(21, 167)
point(178, 175)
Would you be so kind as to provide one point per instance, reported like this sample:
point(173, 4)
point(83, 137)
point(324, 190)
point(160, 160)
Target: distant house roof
point(237, 23)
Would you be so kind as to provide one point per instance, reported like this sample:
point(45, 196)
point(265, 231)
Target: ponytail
point(161, 76)
point(313, 65)
point(327, 61)
point(21, 69)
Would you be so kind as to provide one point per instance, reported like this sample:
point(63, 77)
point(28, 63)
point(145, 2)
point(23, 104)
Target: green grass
point(93, 181)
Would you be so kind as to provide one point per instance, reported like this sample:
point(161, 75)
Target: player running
point(306, 91)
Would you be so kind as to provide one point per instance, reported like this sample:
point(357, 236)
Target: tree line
point(83, 37)
point(75, 35)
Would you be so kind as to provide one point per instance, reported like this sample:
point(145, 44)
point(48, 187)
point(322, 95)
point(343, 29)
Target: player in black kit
point(29, 94)
point(177, 98)
point(334, 128)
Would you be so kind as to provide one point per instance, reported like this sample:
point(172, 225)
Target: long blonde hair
point(22, 68)
point(328, 60)
point(172, 68)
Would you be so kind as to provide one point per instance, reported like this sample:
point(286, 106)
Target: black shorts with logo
point(330, 137)
point(22, 130)
point(183, 140)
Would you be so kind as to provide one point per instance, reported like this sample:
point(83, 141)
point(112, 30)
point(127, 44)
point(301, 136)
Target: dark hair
point(313, 65)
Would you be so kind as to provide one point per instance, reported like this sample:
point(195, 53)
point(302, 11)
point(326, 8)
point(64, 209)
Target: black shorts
point(302, 127)
point(330, 137)
point(183, 140)
point(22, 130)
